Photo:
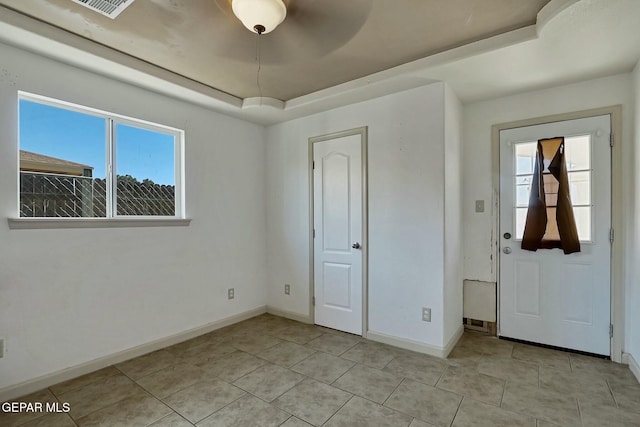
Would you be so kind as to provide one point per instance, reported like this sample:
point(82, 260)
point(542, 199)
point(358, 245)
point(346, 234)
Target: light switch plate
point(479, 205)
point(231, 293)
point(287, 289)
point(426, 314)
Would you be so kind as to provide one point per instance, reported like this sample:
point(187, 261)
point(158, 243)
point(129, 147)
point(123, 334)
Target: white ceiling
point(570, 40)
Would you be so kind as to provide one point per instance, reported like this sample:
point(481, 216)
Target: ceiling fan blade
point(312, 28)
point(223, 5)
point(326, 25)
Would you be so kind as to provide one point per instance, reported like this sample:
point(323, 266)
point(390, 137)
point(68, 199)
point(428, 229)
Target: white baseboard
point(289, 315)
point(454, 340)
point(628, 359)
point(420, 347)
point(45, 381)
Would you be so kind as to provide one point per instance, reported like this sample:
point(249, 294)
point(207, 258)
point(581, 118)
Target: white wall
point(478, 119)
point(406, 167)
point(453, 249)
point(633, 273)
point(68, 296)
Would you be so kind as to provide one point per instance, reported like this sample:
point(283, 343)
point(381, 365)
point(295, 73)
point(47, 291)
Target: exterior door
point(338, 231)
point(546, 296)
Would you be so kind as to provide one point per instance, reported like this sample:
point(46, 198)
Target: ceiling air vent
point(110, 8)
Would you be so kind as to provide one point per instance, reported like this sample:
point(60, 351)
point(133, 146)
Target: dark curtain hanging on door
point(550, 222)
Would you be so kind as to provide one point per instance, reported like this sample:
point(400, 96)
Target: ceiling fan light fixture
point(259, 16)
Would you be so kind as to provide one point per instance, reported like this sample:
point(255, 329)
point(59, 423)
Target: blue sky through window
point(81, 138)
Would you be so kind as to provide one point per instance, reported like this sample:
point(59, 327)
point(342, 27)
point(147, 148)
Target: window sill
point(50, 223)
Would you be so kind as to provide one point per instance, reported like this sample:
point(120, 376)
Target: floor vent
point(110, 8)
point(479, 326)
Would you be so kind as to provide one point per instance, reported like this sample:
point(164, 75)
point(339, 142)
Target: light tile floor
point(270, 371)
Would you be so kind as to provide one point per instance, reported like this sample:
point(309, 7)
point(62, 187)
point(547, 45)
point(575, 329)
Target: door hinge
point(610, 330)
point(313, 301)
point(611, 235)
point(314, 233)
point(313, 165)
point(611, 139)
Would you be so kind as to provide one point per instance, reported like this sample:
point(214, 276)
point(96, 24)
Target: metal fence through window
point(67, 196)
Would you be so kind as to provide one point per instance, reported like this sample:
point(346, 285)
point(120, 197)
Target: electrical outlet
point(1, 348)
point(479, 205)
point(231, 293)
point(426, 314)
point(287, 289)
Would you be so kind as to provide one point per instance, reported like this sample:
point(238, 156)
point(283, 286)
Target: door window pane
point(525, 156)
point(521, 218)
point(578, 152)
point(582, 215)
point(580, 187)
point(522, 194)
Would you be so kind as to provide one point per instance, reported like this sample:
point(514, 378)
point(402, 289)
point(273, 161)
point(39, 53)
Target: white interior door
point(338, 230)
point(546, 296)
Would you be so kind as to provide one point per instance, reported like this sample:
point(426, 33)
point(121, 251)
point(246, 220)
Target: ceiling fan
point(260, 16)
point(290, 30)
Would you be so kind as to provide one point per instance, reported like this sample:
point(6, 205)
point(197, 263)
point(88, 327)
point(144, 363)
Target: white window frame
point(111, 219)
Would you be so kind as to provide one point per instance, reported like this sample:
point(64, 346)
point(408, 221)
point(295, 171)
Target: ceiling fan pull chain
point(259, 64)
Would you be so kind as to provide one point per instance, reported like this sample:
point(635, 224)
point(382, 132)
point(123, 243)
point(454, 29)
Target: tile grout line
point(504, 390)
point(176, 411)
point(69, 413)
point(457, 410)
point(171, 394)
point(394, 390)
point(579, 410)
point(181, 416)
point(55, 396)
point(107, 406)
point(339, 355)
point(441, 376)
point(155, 421)
point(343, 374)
point(223, 407)
point(338, 410)
point(174, 363)
point(306, 358)
point(398, 410)
point(283, 423)
point(144, 390)
point(80, 387)
point(612, 393)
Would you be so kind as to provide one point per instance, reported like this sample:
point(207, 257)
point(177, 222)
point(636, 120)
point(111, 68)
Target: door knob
point(356, 245)
point(506, 250)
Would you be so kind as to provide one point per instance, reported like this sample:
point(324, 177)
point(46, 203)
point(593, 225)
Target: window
point(578, 158)
point(77, 162)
